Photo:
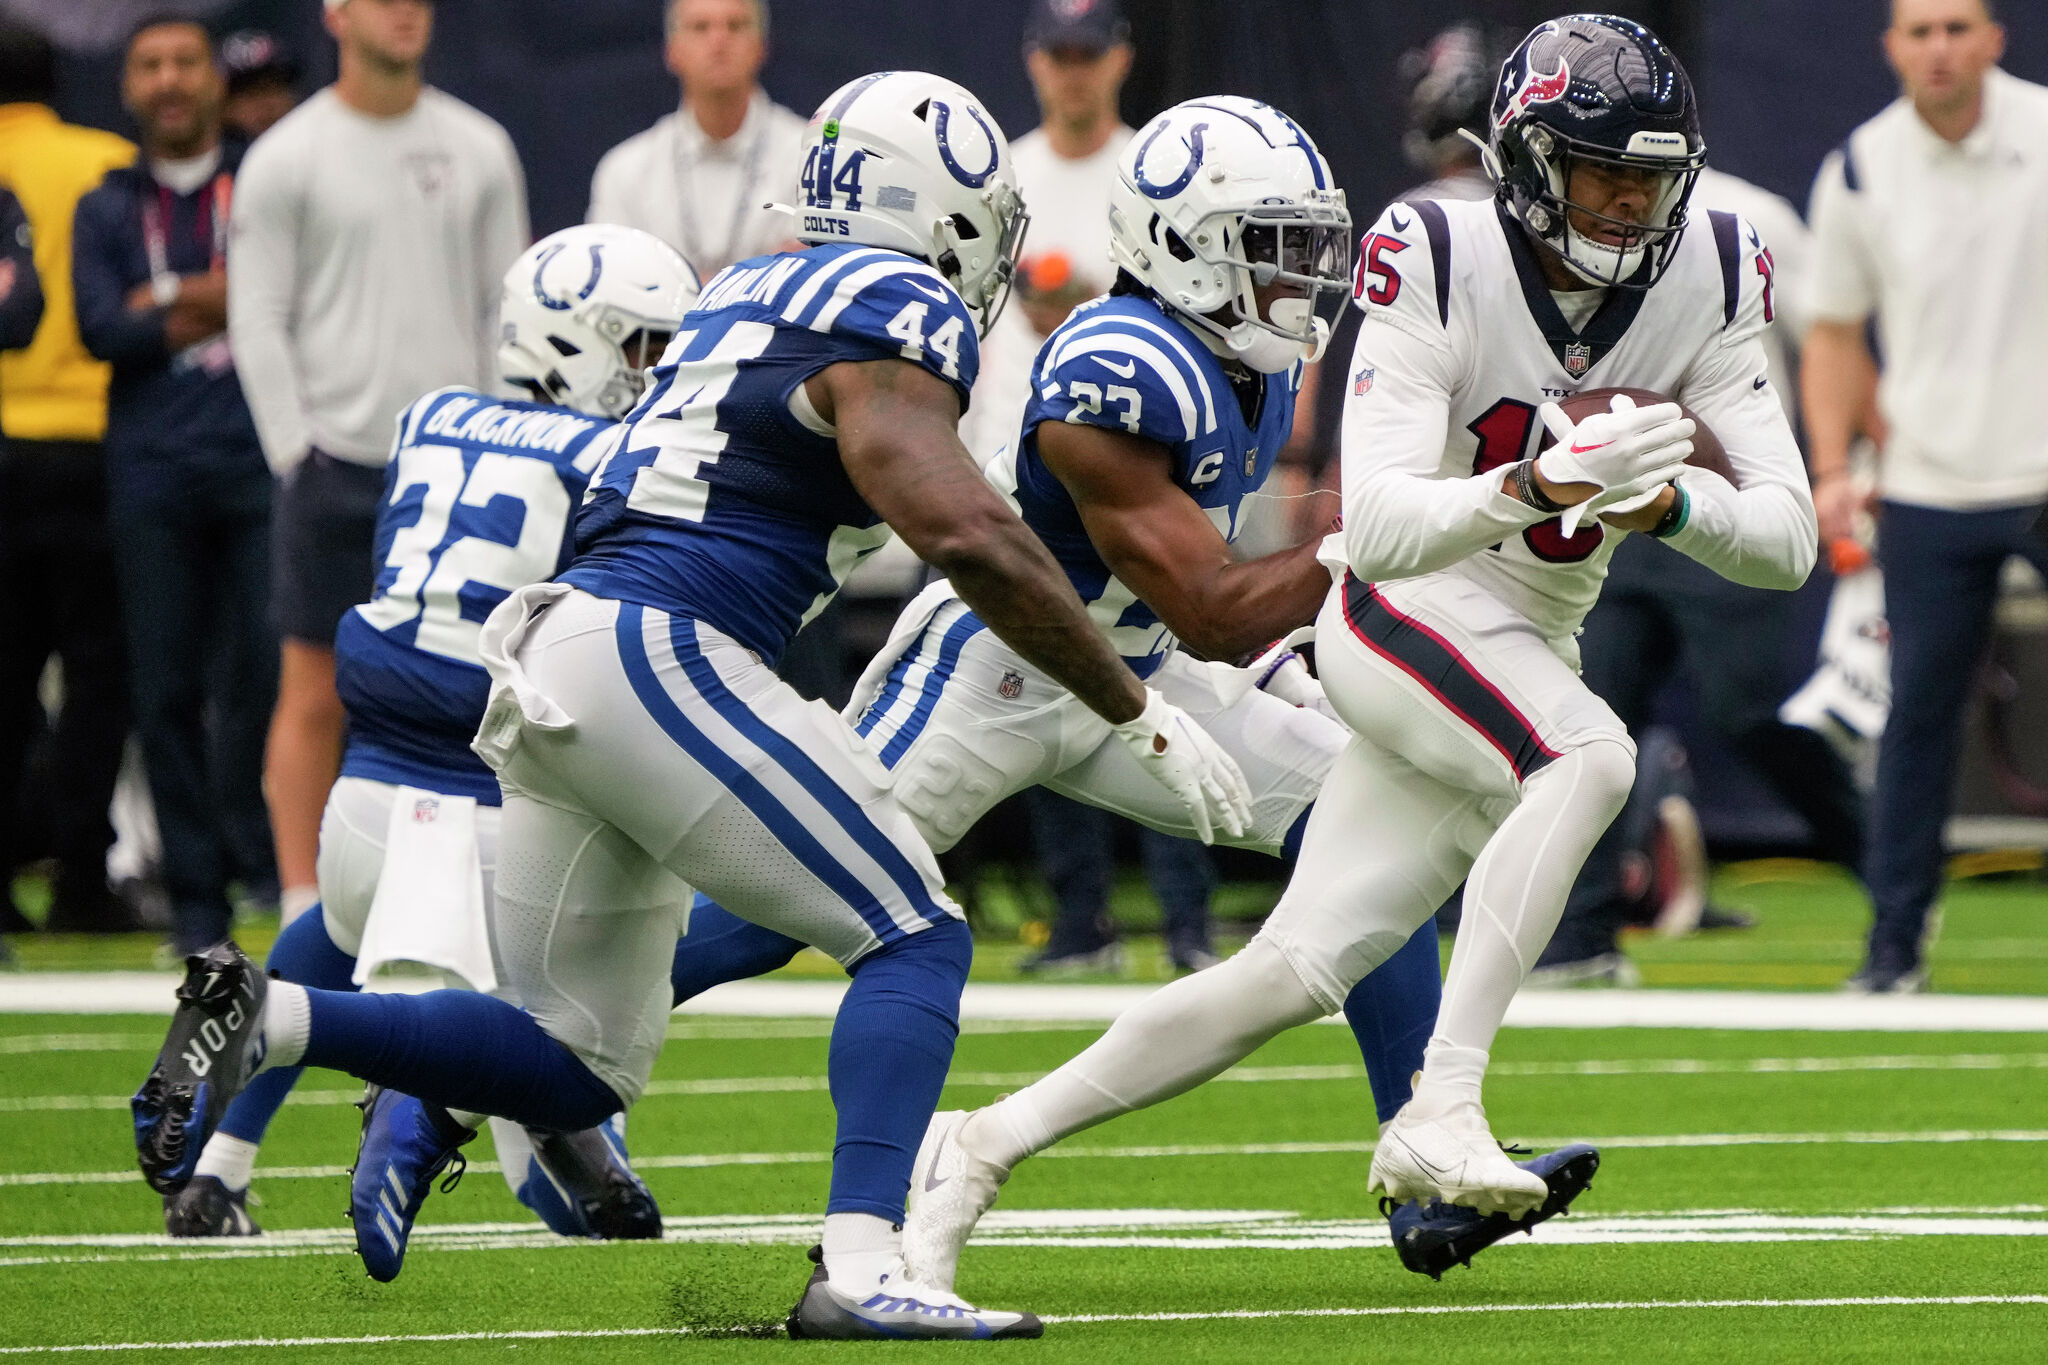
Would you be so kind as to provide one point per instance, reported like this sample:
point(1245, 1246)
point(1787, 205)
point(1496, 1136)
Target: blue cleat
point(581, 1185)
point(1432, 1236)
point(207, 1057)
point(406, 1143)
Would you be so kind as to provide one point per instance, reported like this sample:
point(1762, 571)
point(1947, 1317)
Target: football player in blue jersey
point(1154, 411)
point(641, 739)
point(478, 500)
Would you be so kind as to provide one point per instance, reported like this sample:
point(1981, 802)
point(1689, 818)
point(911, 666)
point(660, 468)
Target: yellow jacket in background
point(54, 390)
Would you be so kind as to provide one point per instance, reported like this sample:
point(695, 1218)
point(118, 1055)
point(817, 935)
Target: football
point(1707, 450)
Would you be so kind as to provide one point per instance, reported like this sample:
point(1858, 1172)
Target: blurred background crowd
point(238, 236)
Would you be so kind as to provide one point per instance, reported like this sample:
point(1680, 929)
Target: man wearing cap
point(698, 179)
point(263, 82)
point(371, 228)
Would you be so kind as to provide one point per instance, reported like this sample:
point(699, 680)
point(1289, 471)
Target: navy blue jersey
point(477, 502)
point(722, 502)
point(1123, 363)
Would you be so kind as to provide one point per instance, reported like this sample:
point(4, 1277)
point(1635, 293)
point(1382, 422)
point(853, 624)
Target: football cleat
point(406, 1143)
point(899, 1309)
point(950, 1189)
point(207, 1208)
point(581, 1185)
point(1451, 1156)
point(207, 1057)
point(1431, 1236)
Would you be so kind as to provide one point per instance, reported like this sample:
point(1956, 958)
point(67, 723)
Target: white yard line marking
point(1156, 1229)
point(704, 1160)
point(774, 998)
point(1088, 1319)
point(1242, 1075)
point(80, 1042)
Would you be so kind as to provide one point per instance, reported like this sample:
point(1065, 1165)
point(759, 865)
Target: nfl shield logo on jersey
point(1578, 358)
point(426, 810)
point(1012, 685)
point(1361, 383)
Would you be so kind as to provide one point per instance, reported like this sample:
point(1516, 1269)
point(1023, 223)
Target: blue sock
point(1392, 1013)
point(890, 1050)
point(460, 1050)
point(305, 954)
point(722, 947)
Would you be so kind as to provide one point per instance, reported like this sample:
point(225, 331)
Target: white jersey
point(1462, 341)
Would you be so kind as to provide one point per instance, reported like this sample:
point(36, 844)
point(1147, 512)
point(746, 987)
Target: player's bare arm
point(901, 447)
point(1161, 545)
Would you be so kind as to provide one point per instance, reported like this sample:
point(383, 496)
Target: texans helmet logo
point(1538, 88)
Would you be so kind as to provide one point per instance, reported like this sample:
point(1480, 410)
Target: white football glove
point(1282, 673)
point(1187, 762)
point(1626, 450)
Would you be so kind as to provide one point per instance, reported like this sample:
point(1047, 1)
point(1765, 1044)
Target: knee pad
point(1603, 771)
point(944, 952)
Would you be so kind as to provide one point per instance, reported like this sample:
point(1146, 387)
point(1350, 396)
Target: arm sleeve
point(1841, 283)
point(1401, 516)
point(21, 311)
point(263, 267)
point(110, 329)
point(1760, 531)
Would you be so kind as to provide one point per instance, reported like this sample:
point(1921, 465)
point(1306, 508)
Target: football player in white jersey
point(1447, 644)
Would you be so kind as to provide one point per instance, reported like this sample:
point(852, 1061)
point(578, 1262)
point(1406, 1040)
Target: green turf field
point(1765, 1196)
point(1739, 1167)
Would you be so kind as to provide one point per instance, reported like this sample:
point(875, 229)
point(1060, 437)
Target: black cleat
point(207, 1208)
point(582, 1185)
point(207, 1058)
point(1434, 1236)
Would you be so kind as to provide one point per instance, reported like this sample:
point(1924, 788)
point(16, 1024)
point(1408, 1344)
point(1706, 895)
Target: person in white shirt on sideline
point(1930, 219)
point(371, 226)
point(701, 177)
point(1078, 53)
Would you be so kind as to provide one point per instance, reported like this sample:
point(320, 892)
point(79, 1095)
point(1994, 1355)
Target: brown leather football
point(1707, 450)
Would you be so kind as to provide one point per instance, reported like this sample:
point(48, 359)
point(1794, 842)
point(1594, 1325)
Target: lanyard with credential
point(699, 255)
point(212, 225)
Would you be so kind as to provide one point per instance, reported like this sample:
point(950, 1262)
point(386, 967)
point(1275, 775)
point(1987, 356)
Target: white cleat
point(899, 1309)
point(1451, 1155)
point(950, 1189)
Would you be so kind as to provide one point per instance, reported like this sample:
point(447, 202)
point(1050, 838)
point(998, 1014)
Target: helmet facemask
point(1305, 245)
point(1666, 157)
point(960, 253)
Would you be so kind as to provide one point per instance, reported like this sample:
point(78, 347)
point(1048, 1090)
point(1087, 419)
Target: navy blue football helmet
point(1594, 90)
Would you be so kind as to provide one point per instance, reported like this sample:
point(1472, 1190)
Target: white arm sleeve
point(263, 274)
point(1402, 517)
point(1762, 533)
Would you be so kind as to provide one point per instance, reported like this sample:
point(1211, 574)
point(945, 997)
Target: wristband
point(1675, 516)
point(165, 288)
point(1530, 492)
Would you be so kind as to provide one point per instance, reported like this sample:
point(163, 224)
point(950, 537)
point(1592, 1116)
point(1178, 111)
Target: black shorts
point(323, 525)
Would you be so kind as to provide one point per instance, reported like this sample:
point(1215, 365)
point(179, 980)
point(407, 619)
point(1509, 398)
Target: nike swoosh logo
point(941, 295)
point(1578, 449)
point(1761, 380)
point(1127, 369)
point(1400, 224)
point(929, 1183)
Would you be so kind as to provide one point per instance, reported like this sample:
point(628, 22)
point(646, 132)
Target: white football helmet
point(912, 162)
point(1219, 195)
point(586, 312)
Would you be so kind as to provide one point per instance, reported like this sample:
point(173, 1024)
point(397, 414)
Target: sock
point(1168, 1043)
point(859, 1249)
point(294, 901)
point(229, 1160)
point(722, 947)
point(1518, 885)
point(891, 1046)
point(1451, 1076)
point(1391, 1013)
point(462, 1051)
point(306, 955)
